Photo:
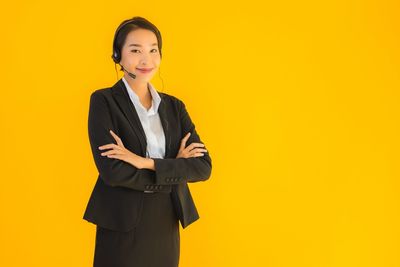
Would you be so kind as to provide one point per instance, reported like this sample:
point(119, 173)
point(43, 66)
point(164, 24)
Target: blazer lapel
point(163, 113)
point(122, 98)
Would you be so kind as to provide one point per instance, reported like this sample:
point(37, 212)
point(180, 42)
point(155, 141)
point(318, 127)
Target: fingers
point(116, 137)
point(113, 152)
point(197, 152)
point(119, 144)
point(117, 156)
point(193, 145)
point(200, 150)
point(114, 146)
point(184, 139)
point(192, 150)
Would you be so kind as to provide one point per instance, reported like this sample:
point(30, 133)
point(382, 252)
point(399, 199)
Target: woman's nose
point(145, 59)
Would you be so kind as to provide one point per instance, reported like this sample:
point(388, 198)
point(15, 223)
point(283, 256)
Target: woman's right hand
point(192, 150)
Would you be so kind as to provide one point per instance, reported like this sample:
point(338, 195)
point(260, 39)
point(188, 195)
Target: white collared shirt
point(151, 122)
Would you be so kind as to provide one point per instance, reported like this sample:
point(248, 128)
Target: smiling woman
point(146, 150)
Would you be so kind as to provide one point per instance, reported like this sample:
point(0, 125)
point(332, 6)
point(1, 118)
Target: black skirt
point(154, 242)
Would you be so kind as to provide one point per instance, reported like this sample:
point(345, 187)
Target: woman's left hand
point(118, 151)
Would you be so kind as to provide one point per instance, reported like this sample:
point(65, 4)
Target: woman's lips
point(144, 70)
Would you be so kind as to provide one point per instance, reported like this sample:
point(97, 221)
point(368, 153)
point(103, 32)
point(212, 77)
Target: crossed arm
point(126, 169)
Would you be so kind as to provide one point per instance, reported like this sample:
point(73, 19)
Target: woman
point(146, 150)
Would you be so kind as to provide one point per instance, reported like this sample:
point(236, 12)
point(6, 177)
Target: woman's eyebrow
point(141, 45)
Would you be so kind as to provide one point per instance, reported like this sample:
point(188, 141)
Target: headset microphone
point(133, 76)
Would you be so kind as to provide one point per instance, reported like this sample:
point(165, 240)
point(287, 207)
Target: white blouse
point(151, 122)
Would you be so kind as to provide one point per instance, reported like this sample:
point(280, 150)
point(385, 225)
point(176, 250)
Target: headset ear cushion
point(115, 57)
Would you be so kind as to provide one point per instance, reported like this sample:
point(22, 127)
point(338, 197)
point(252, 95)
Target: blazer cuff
point(165, 171)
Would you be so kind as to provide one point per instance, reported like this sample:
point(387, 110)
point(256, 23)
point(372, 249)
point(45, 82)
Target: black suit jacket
point(117, 197)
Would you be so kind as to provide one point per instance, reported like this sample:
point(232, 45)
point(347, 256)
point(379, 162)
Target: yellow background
point(297, 102)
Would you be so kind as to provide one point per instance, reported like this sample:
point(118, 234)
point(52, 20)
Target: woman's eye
point(155, 50)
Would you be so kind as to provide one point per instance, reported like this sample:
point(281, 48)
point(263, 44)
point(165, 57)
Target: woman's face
point(140, 54)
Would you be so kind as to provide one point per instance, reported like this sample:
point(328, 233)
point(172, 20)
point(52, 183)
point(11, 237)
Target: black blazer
point(117, 197)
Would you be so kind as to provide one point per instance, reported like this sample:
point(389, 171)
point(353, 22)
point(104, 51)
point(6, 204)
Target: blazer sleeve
point(182, 170)
point(112, 171)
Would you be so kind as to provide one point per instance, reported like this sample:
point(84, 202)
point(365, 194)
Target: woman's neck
point(139, 87)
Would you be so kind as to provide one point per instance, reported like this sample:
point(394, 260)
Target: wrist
point(148, 163)
point(137, 161)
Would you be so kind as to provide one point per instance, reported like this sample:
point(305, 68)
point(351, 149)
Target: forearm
point(188, 170)
point(182, 170)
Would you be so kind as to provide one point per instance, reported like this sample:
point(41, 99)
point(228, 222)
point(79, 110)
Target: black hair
point(125, 28)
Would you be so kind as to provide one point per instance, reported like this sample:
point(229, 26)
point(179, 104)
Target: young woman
point(146, 150)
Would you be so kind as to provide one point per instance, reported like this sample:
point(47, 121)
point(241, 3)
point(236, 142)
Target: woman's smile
point(144, 70)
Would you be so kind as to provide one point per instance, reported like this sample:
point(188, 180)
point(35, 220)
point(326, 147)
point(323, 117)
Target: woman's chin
point(144, 78)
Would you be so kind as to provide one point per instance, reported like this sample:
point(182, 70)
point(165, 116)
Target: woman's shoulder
point(170, 98)
point(101, 95)
point(102, 91)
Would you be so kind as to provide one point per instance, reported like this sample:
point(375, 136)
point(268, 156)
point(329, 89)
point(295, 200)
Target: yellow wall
point(297, 101)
